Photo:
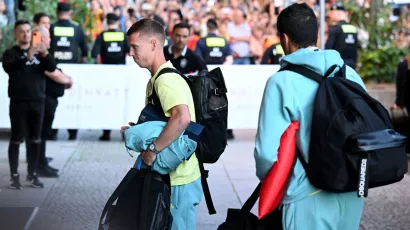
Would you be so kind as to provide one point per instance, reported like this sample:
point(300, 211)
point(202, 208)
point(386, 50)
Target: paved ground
point(90, 171)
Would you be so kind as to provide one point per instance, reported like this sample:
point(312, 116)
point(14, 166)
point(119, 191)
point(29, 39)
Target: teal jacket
point(288, 97)
point(139, 137)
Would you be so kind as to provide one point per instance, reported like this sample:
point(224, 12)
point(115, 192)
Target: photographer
point(25, 64)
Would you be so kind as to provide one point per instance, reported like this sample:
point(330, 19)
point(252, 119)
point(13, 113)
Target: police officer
point(67, 38)
point(182, 58)
point(214, 50)
point(111, 47)
point(342, 35)
point(273, 55)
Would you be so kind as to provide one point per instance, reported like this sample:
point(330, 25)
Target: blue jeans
point(184, 199)
point(242, 61)
point(11, 15)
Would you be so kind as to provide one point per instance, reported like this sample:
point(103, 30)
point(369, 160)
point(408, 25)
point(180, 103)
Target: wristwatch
point(153, 148)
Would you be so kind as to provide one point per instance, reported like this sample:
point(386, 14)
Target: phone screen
point(36, 38)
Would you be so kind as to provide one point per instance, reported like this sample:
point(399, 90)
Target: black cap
point(212, 22)
point(338, 6)
point(112, 17)
point(63, 7)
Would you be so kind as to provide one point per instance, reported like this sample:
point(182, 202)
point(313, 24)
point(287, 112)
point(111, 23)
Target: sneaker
point(52, 169)
point(15, 181)
point(49, 159)
point(230, 134)
point(105, 138)
point(47, 172)
point(34, 181)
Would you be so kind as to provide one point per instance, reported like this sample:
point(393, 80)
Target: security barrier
point(109, 96)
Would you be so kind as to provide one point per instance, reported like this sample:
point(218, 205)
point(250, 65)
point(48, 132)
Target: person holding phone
point(25, 64)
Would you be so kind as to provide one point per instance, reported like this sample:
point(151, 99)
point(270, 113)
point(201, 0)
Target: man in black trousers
point(56, 83)
point(26, 64)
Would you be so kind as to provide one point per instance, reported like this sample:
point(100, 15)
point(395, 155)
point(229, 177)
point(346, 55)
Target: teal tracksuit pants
point(324, 211)
point(184, 199)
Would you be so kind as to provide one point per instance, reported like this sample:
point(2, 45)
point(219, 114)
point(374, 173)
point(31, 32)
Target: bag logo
point(362, 181)
point(142, 118)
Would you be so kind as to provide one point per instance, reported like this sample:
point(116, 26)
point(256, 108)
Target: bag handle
point(248, 205)
point(121, 187)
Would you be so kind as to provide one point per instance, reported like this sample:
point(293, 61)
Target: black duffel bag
point(143, 203)
point(244, 219)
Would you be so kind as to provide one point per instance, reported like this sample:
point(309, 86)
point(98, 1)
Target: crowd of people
point(257, 18)
point(183, 38)
point(197, 33)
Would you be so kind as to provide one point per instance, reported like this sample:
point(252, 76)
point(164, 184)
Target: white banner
point(108, 96)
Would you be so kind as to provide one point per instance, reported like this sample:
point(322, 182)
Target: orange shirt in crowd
point(97, 17)
point(269, 41)
point(192, 42)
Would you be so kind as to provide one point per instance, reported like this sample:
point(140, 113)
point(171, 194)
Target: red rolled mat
point(274, 184)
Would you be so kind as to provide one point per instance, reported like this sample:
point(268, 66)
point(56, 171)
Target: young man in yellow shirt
point(146, 40)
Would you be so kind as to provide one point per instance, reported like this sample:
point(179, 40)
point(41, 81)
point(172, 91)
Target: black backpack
point(143, 202)
point(211, 111)
point(353, 146)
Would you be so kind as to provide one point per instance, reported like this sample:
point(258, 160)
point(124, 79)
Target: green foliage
point(380, 64)
point(378, 57)
point(37, 6)
point(80, 14)
point(8, 38)
point(80, 11)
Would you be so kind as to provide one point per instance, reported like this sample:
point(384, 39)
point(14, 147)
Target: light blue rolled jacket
point(139, 137)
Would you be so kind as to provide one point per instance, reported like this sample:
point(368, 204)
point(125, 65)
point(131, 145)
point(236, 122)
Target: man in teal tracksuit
point(288, 97)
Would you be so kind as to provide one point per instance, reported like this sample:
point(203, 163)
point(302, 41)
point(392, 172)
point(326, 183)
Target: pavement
point(90, 170)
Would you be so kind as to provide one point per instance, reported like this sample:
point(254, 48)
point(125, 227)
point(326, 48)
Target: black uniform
point(27, 94)
point(112, 46)
point(213, 49)
point(343, 38)
point(67, 38)
point(54, 90)
point(187, 63)
point(273, 55)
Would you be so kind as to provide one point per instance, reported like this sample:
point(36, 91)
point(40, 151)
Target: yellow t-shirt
point(172, 90)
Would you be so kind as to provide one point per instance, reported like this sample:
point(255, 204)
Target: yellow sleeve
point(172, 90)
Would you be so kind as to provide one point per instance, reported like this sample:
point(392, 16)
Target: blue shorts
point(184, 199)
point(324, 211)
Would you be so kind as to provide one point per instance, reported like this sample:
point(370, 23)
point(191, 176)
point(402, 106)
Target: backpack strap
point(205, 188)
point(302, 160)
point(306, 72)
point(204, 173)
point(154, 97)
